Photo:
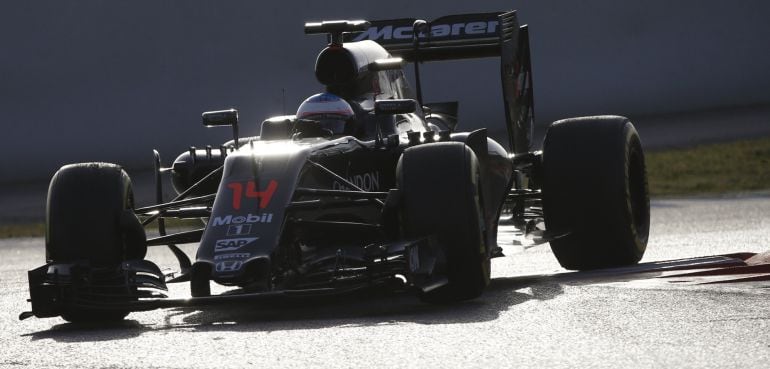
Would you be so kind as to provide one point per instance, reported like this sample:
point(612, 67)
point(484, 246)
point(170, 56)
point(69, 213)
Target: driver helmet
point(330, 111)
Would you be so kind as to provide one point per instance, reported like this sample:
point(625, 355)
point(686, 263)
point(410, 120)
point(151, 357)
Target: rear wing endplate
point(465, 36)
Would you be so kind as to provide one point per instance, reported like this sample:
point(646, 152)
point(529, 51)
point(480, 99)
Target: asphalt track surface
point(534, 313)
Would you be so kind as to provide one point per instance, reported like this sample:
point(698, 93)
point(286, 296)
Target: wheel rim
point(640, 210)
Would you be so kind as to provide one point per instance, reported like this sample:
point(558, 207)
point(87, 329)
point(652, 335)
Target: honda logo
point(229, 266)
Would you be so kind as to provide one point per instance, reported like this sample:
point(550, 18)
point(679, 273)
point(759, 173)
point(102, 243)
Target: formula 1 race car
point(367, 186)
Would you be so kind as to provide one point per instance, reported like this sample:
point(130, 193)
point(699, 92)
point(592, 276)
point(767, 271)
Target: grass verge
point(18, 230)
point(738, 166)
point(22, 230)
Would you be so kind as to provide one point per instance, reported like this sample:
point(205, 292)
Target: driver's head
point(331, 111)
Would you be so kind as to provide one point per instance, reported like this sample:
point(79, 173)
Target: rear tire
point(90, 219)
point(442, 198)
point(595, 192)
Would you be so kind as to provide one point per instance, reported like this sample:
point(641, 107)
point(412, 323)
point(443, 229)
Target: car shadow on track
point(360, 310)
point(374, 309)
point(90, 332)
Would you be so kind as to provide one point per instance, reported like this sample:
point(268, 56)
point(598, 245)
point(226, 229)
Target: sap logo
point(239, 219)
point(229, 266)
point(250, 191)
point(366, 181)
point(237, 255)
point(232, 243)
point(438, 30)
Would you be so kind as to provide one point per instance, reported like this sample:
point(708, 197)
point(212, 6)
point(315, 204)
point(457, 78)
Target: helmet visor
point(334, 123)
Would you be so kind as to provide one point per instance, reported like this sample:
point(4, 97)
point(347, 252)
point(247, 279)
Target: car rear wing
point(465, 36)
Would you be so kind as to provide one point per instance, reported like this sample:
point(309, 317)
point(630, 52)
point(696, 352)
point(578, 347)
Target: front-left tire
point(442, 199)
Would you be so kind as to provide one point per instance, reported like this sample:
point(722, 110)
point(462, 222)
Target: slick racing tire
point(595, 198)
point(442, 199)
point(90, 219)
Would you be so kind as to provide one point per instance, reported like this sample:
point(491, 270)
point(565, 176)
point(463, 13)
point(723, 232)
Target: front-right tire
point(595, 197)
point(90, 221)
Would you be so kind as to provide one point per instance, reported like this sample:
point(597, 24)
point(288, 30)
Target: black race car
point(367, 186)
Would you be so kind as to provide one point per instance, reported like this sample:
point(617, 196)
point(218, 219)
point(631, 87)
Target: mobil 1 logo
point(242, 219)
point(239, 229)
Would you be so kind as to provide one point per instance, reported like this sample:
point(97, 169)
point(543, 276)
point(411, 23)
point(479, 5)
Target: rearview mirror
point(395, 106)
point(222, 118)
point(217, 118)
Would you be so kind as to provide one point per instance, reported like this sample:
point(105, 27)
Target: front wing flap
point(139, 285)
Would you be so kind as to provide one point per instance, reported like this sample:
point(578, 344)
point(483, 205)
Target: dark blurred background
point(111, 80)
